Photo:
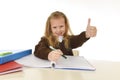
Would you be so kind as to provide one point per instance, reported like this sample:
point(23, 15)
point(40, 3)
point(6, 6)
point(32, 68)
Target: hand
point(91, 31)
point(54, 55)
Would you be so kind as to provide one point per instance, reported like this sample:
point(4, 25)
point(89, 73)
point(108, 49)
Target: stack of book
point(10, 67)
point(7, 60)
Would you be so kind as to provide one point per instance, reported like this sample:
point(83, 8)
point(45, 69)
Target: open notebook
point(72, 62)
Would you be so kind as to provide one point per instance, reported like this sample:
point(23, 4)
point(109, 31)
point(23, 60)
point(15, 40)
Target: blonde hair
point(48, 33)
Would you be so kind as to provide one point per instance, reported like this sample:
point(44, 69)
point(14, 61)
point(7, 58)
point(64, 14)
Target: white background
point(22, 23)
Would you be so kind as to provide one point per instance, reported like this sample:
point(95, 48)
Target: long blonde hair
point(48, 33)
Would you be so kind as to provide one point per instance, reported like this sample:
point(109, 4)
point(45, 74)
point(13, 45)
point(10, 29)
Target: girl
point(57, 26)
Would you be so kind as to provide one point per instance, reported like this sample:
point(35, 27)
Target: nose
point(58, 30)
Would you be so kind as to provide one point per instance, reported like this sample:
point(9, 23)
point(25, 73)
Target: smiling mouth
point(59, 34)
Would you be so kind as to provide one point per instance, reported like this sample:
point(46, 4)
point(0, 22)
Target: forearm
point(78, 40)
point(41, 52)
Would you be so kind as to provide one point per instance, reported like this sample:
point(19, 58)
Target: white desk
point(105, 70)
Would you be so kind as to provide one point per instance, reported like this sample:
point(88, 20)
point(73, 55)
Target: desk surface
point(105, 70)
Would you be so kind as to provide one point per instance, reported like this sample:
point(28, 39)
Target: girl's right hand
point(54, 55)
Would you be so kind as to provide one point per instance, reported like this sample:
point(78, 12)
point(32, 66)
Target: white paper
point(11, 71)
point(72, 62)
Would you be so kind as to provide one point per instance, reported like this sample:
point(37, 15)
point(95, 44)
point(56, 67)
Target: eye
point(61, 26)
point(54, 27)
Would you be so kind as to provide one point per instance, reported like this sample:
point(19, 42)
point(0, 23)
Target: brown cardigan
point(42, 48)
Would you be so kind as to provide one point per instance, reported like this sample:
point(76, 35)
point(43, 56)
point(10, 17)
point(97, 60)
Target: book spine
point(15, 56)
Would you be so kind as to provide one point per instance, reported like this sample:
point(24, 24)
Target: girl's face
point(58, 27)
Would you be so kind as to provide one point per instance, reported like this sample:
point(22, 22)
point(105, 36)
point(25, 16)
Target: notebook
point(10, 67)
point(10, 55)
point(72, 63)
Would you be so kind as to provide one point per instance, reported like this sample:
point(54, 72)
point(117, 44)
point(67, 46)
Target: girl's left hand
point(91, 31)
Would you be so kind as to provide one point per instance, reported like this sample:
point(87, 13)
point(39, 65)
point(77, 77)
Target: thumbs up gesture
point(91, 31)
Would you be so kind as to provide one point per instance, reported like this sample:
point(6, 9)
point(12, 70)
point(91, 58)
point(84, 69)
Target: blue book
point(10, 55)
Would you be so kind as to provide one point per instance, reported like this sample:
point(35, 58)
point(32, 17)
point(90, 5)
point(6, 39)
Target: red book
point(10, 67)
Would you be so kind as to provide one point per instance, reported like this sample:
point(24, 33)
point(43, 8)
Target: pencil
point(55, 49)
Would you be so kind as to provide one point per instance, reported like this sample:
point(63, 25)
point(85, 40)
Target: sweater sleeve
point(42, 49)
point(78, 40)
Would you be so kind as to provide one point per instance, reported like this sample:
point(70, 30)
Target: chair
point(75, 52)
